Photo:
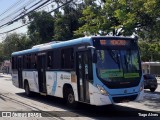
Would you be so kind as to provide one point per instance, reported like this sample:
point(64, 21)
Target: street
point(14, 99)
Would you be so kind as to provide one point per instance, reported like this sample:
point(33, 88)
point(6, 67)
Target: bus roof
point(55, 44)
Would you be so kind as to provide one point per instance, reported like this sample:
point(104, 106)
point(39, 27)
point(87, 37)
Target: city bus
point(99, 70)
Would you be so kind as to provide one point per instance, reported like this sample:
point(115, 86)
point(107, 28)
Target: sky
point(4, 5)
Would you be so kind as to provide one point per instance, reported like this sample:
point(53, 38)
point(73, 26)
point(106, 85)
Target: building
point(6, 67)
point(151, 68)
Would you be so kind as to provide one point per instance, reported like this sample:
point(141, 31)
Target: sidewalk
point(5, 75)
point(158, 78)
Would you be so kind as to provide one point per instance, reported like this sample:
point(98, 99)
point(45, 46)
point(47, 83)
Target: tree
point(138, 16)
point(66, 22)
point(150, 51)
point(2, 55)
point(122, 17)
point(12, 43)
point(41, 28)
point(92, 19)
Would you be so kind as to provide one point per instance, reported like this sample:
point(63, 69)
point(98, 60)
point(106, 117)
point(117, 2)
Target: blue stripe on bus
point(26, 51)
point(71, 42)
point(54, 87)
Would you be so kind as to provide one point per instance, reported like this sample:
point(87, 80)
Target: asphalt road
point(13, 99)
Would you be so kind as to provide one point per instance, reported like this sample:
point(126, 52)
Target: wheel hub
point(70, 98)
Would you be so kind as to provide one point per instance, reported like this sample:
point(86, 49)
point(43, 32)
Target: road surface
point(13, 99)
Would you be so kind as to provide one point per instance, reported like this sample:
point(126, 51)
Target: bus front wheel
point(70, 98)
point(152, 89)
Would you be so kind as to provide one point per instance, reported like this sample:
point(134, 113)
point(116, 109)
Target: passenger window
point(50, 59)
point(14, 62)
point(67, 58)
point(33, 61)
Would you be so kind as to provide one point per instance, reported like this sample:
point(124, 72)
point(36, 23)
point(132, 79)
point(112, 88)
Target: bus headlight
point(102, 90)
point(141, 87)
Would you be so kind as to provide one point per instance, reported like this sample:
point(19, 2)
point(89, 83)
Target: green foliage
point(2, 54)
point(13, 42)
point(66, 23)
point(92, 20)
point(150, 51)
point(122, 17)
point(41, 29)
point(92, 17)
point(61, 28)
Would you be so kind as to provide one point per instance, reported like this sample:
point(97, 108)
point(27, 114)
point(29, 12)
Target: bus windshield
point(117, 64)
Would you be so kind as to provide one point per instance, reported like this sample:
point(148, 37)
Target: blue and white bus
point(94, 70)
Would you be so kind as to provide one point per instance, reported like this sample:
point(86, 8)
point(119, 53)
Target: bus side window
point(28, 61)
point(14, 62)
point(25, 62)
point(67, 58)
point(49, 59)
point(56, 62)
point(90, 71)
point(33, 61)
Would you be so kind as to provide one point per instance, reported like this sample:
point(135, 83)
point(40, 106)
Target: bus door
point(84, 62)
point(20, 64)
point(41, 72)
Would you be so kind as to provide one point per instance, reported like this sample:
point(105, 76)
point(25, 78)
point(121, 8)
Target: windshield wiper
point(115, 57)
point(126, 62)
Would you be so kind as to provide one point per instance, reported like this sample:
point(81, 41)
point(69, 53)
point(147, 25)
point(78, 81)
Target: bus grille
point(124, 98)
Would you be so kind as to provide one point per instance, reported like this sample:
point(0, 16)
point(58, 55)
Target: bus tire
point(27, 89)
point(152, 89)
point(69, 97)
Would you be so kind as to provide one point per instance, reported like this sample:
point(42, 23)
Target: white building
point(6, 66)
point(151, 68)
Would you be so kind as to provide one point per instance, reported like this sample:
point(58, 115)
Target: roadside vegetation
point(92, 17)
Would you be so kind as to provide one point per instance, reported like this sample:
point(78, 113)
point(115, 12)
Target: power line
point(30, 22)
point(17, 11)
point(28, 8)
point(60, 6)
point(10, 22)
point(46, 5)
point(15, 28)
point(11, 7)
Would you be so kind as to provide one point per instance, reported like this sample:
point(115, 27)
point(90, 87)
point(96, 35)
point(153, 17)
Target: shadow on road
point(153, 100)
point(94, 112)
point(155, 92)
point(2, 98)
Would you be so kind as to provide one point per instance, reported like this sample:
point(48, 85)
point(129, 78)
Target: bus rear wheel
point(27, 89)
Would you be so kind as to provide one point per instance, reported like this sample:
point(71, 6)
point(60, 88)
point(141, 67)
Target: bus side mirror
point(95, 57)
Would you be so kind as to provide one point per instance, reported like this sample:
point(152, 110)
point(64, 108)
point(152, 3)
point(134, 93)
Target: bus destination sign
point(114, 42)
